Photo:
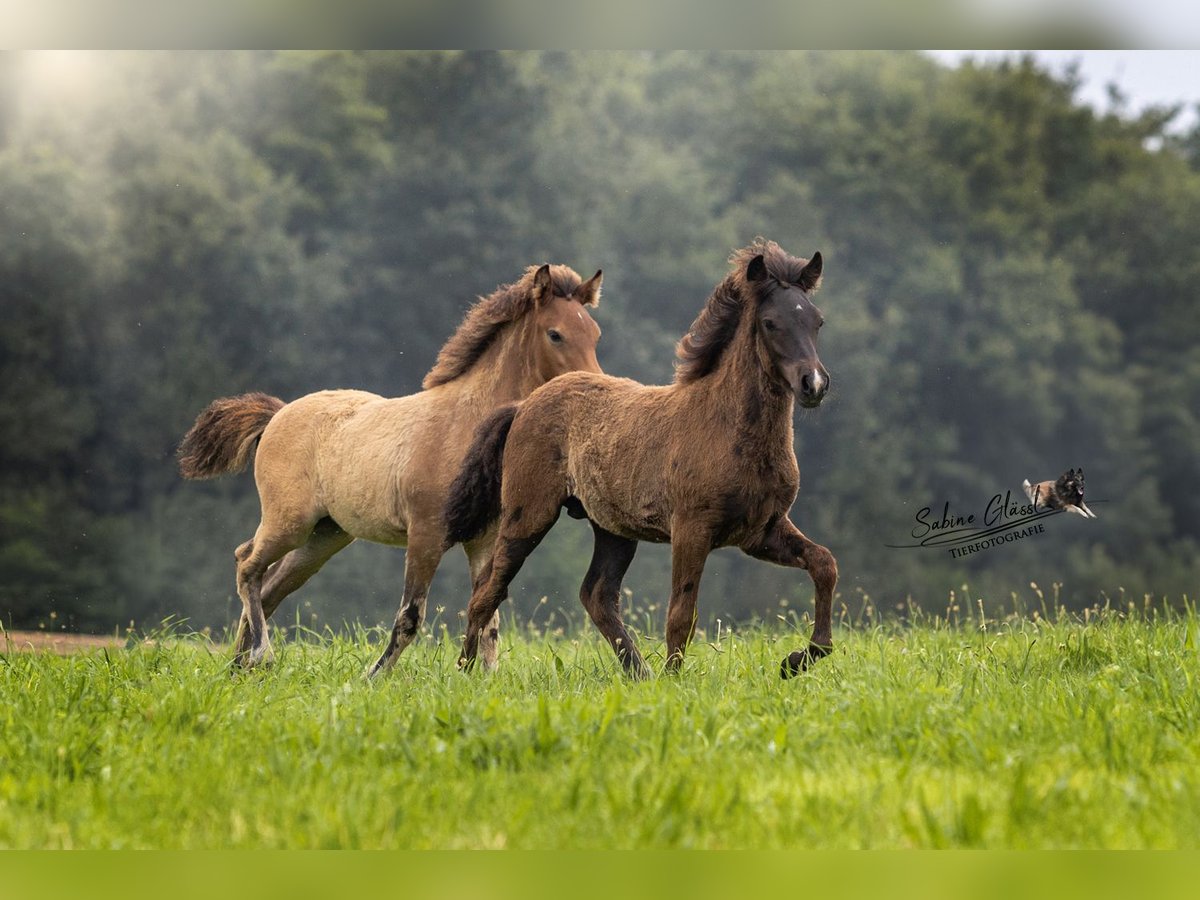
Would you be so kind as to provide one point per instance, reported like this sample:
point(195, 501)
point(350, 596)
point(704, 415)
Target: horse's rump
point(348, 455)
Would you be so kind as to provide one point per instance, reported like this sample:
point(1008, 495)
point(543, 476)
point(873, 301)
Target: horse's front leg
point(785, 545)
point(689, 549)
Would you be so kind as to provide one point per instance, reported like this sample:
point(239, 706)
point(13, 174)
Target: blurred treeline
point(1011, 288)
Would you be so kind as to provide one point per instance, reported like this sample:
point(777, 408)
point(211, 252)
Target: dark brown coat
point(705, 462)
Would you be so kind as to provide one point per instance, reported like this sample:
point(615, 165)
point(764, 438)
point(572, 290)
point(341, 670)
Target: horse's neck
point(502, 374)
point(740, 386)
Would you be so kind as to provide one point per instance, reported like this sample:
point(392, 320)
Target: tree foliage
point(1011, 287)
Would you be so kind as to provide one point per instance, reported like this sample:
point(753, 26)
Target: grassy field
point(1024, 733)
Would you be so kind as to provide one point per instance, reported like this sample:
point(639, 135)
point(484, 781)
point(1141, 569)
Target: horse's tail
point(474, 501)
point(225, 435)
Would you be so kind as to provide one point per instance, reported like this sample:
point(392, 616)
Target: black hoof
point(799, 660)
point(793, 664)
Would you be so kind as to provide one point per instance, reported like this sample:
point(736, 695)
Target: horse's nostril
point(813, 385)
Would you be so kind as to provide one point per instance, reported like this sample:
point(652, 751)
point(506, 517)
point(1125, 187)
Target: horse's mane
point(700, 349)
point(484, 320)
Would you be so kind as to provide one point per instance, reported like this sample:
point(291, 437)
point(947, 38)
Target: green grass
point(1018, 734)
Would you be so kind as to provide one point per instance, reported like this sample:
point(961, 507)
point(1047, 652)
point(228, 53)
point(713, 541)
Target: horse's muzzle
point(813, 387)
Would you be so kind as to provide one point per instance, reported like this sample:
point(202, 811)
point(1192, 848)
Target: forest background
point(1011, 290)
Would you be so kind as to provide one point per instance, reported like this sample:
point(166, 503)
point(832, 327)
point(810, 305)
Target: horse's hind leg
point(479, 557)
point(253, 561)
point(521, 530)
point(292, 571)
point(420, 564)
point(786, 545)
point(601, 596)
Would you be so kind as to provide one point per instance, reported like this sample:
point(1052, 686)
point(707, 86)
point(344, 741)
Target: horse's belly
point(617, 500)
point(370, 528)
point(642, 533)
point(366, 508)
point(647, 523)
point(362, 473)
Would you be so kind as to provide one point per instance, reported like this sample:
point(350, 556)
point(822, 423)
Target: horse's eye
point(555, 337)
point(768, 324)
point(821, 324)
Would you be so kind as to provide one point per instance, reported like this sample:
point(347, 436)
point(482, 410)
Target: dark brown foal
point(703, 463)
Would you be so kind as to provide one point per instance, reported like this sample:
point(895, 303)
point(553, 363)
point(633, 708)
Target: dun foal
point(339, 465)
point(703, 463)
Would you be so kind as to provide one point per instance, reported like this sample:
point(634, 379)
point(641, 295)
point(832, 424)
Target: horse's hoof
point(261, 658)
point(639, 672)
point(799, 660)
point(793, 664)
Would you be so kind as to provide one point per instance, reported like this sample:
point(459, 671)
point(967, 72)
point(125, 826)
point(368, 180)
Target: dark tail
point(474, 501)
point(225, 435)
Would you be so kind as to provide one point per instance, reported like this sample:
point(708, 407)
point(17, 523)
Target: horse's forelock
point(564, 280)
point(780, 264)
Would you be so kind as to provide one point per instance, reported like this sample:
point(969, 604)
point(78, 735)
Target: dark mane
point(484, 320)
point(700, 350)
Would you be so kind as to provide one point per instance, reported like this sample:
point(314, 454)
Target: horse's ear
point(541, 284)
point(810, 275)
point(756, 270)
point(588, 293)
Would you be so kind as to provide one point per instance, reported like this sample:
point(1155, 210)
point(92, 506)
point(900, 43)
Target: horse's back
point(583, 408)
point(295, 428)
point(574, 394)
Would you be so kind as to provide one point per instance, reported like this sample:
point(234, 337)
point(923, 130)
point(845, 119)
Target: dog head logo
point(1065, 493)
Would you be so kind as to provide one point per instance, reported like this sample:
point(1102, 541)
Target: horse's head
point(786, 325)
point(563, 335)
